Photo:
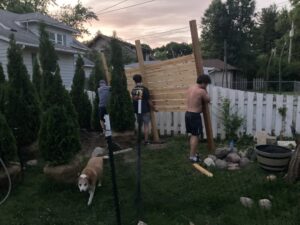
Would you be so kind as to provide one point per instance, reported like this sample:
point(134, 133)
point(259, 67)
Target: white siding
point(88, 71)
point(67, 68)
point(3, 56)
point(27, 59)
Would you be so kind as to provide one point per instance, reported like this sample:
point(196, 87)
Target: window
point(52, 37)
point(59, 39)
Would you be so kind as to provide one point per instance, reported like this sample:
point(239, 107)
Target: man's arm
point(205, 96)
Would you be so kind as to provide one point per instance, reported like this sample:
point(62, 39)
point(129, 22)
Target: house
point(214, 68)
point(25, 27)
point(101, 43)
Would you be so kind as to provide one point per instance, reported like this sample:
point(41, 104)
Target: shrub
point(8, 147)
point(59, 136)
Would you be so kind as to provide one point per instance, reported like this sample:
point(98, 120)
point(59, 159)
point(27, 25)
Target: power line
point(119, 3)
point(159, 33)
point(130, 6)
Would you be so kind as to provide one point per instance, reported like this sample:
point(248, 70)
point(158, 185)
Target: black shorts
point(193, 123)
point(102, 112)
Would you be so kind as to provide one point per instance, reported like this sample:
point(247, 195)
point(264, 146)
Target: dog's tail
point(98, 151)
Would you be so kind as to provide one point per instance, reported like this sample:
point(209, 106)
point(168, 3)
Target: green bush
point(8, 147)
point(59, 136)
point(2, 76)
point(120, 107)
point(95, 115)
point(79, 98)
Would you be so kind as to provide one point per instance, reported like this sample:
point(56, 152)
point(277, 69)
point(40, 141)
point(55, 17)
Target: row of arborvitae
point(44, 110)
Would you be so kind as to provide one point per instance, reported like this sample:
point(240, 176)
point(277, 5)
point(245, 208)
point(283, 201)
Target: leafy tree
point(76, 17)
point(37, 77)
point(173, 50)
point(59, 136)
point(22, 108)
point(79, 98)
point(28, 6)
point(8, 147)
point(120, 108)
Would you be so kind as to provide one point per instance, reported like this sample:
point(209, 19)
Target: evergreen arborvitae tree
point(37, 77)
point(95, 114)
point(8, 147)
point(79, 98)
point(22, 108)
point(2, 76)
point(59, 136)
point(120, 108)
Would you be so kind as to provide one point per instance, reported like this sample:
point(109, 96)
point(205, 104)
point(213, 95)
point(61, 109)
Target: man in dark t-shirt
point(140, 92)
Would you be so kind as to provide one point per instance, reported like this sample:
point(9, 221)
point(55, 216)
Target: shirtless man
point(196, 97)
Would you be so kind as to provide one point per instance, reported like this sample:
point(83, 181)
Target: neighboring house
point(214, 68)
point(101, 43)
point(25, 27)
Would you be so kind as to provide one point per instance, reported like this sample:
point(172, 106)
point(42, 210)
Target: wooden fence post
point(107, 73)
point(199, 67)
point(142, 69)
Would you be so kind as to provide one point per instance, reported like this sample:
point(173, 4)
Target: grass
point(174, 193)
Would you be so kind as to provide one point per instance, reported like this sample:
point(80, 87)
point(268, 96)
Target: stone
point(271, 177)
point(271, 140)
point(246, 202)
point(213, 157)
point(265, 204)
point(221, 153)
point(209, 162)
point(243, 153)
point(244, 162)
point(14, 170)
point(141, 223)
point(221, 164)
point(33, 162)
point(233, 166)
point(98, 151)
point(261, 137)
point(67, 173)
point(287, 144)
point(233, 157)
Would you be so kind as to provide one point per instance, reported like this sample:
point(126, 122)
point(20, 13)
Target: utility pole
point(291, 35)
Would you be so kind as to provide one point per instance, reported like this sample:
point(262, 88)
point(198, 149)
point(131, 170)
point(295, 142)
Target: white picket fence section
point(260, 112)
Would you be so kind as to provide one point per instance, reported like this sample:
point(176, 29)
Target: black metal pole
point(138, 191)
point(112, 168)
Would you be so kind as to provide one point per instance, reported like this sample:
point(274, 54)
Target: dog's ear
point(78, 174)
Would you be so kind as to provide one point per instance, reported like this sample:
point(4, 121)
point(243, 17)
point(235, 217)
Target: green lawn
point(174, 193)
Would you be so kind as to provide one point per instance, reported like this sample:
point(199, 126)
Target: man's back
point(103, 92)
point(195, 98)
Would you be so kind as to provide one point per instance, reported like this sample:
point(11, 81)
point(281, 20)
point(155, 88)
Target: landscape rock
point(33, 162)
point(244, 162)
point(233, 157)
point(221, 153)
point(243, 153)
point(209, 162)
point(213, 157)
point(233, 166)
point(265, 204)
point(221, 164)
point(271, 177)
point(246, 202)
point(14, 170)
point(141, 223)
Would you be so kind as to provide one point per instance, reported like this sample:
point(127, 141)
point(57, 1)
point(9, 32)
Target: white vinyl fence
point(260, 112)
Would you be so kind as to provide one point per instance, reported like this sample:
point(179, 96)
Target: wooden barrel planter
point(272, 157)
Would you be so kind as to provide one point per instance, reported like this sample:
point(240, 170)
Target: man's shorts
point(146, 118)
point(193, 123)
point(102, 112)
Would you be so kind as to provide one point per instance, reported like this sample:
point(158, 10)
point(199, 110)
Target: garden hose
point(9, 182)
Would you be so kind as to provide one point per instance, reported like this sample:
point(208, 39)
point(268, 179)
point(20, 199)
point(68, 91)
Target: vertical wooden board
point(168, 120)
point(298, 115)
point(259, 111)
point(176, 123)
point(241, 109)
point(289, 115)
point(269, 113)
point(182, 123)
point(214, 110)
point(278, 119)
point(249, 117)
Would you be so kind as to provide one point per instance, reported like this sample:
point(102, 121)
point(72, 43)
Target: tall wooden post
point(142, 69)
point(107, 73)
point(199, 67)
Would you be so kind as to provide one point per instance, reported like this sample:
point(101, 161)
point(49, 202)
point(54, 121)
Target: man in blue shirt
point(104, 94)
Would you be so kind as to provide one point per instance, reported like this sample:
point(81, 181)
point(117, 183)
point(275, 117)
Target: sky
point(156, 22)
